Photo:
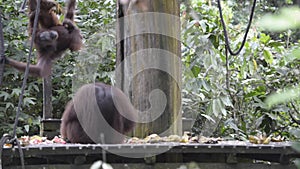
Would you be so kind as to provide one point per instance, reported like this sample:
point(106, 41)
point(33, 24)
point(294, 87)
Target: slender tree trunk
point(149, 63)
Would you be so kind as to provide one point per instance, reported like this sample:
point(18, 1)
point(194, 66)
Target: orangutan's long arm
point(42, 68)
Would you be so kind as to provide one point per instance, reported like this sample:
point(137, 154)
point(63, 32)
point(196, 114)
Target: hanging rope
point(227, 43)
point(27, 68)
point(13, 139)
point(225, 29)
point(2, 56)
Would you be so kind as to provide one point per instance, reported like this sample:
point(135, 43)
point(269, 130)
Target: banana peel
point(261, 139)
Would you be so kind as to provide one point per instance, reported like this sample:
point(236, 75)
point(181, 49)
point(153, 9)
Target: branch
point(295, 110)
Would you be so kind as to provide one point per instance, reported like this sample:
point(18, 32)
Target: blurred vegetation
point(267, 64)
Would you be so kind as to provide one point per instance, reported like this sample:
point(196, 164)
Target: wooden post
point(149, 63)
point(47, 106)
point(47, 98)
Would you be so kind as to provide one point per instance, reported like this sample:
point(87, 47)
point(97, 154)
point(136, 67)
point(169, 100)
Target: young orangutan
point(95, 109)
point(47, 16)
point(51, 42)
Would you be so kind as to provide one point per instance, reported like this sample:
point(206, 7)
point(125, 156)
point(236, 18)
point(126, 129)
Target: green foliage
point(283, 97)
point(16, 45)
point(288, 18)
point(264, 66)
point(93, 18)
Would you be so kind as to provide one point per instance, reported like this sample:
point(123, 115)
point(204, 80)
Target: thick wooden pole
point(149, 64)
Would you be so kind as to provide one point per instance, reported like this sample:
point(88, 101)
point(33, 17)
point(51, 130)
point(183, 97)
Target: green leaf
point(5, 95)
point(196, 70)
point(264, 38)
point(260, 90)
point(230, 123)
point(9, 105)
point(276, 44)
point(29, 101)
point(294, 55)
point(206, 86)
point(226, 101)
point(268, 56)
point(208, 118)
point(233, 126)
point(288, 18)
point(36, 88)
point(16, 92)
point(221, 107)
point(217, 108)
point(283, 97)
point(26, 127)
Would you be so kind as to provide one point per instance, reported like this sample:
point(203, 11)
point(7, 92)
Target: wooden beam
point(166, 165)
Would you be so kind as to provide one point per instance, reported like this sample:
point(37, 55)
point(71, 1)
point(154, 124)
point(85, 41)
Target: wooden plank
point(165, 165)
point(274, 148)
point(174, 152)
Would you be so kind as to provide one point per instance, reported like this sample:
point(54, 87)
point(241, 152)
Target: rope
point(225, 29)
point(27, 68)
point(227, 44)
point(7, 138)
point(2, 56)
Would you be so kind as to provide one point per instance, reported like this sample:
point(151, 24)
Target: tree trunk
point(296, 2)
point(149, 63)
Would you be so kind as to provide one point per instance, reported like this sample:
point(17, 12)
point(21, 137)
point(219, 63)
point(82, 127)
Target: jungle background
point(269, 63)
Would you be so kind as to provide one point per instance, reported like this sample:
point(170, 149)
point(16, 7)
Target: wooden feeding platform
point(225, 154)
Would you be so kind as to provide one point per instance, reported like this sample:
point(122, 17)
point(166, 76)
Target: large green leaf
point(289, 18)
point(283, 97)
point(268, 56)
